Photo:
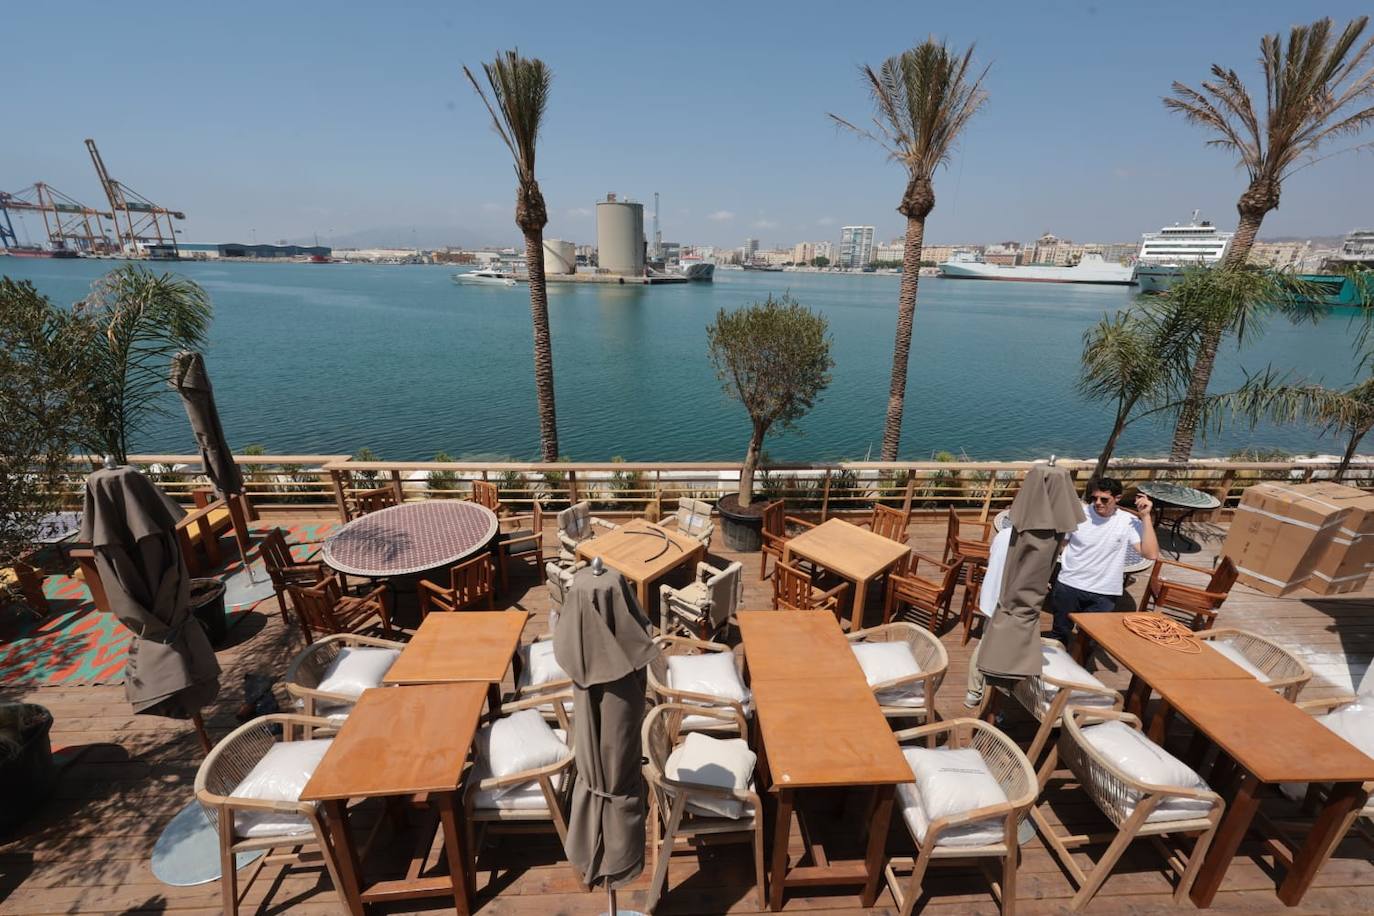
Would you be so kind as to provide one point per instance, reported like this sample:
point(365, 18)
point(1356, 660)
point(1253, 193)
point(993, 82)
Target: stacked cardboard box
point(1279, 535)
point(1349, 558)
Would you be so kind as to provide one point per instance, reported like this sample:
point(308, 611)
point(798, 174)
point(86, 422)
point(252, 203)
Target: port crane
point(138, 222)
point(70, 224)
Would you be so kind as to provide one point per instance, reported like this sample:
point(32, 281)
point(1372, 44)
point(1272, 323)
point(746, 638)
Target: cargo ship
point(1091, 269)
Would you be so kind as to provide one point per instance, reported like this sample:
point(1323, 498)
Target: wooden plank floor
point(87, 850)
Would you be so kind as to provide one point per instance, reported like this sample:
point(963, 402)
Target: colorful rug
point(78, 644)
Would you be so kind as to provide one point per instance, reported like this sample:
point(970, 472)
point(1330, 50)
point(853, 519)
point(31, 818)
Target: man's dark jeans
point(1066, 600)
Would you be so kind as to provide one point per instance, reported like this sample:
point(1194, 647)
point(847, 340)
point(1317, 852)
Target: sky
point(353, 123)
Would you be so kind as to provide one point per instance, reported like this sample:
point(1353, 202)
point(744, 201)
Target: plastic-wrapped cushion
point(539, 666)
point(1229, 649)
point(886, 661)
point(280, 775)
point(527, 796)
point(1143, 760)
point(1059, 665)
point(950, 781)
point(357, 668)
point(726, 763)
point(518, 742)
point(1354, 723)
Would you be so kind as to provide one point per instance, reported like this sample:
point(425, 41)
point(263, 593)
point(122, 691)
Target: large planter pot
point(741, 527)
point(27, 774)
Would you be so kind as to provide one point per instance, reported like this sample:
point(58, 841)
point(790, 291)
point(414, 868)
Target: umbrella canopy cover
point(192, 382)
point(130, 525)
point(603, 642)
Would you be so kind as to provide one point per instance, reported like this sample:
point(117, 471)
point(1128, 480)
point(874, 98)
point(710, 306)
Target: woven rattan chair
point(325, 609)
point(674, 810)
point(306, 670)
point(793, 590)
point(284, 570)
point(1133, 807)
point(1013, 773)
point(1283, 671)
point(707, 606)
point(1196, 603)
point(1046, 698)
point(913, 696)
point(930, 593)
point(973, 544)
point(470, 582)
point(661, 692)
point(775, 534)
point(693, 517)
point(1315, 794)
point(224, 769)
point(889, 522)
point(575, 525)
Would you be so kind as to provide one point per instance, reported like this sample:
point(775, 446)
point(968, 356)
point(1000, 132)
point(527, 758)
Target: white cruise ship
point(1165, 254)
point(1091, 269)
point(1356, 251)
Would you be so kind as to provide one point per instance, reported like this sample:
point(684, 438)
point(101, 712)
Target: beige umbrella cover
point(192, 382)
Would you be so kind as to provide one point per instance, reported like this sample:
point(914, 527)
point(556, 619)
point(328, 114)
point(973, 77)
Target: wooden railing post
point(825, 495)
point(340, 496)
point(910, 491)
point(572, 487)
point(396, 485)
point(987, 497)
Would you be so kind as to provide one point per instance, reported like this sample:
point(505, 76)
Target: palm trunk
point(751, 463)
point(901, 346)
point(543, 345)
point(1355, 436)
point(1110, 448)
point(1244, 239)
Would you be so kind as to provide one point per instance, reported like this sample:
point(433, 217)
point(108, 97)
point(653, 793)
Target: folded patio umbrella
point(130, 525)
point(1045, 509)
point(602, 642)
point(192, 382)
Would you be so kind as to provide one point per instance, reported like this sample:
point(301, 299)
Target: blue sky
point(353, 121)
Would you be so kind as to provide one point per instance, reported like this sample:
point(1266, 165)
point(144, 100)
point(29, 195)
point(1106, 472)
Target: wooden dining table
point(401, 743)
point(819, 727)
point(461, 647)
point(850, 552)
point(643, 553)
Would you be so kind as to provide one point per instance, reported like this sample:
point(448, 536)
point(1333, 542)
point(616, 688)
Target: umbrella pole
point(610, 904)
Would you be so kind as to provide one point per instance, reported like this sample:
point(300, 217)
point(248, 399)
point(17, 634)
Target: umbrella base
point(247, 587)
point(187, 852)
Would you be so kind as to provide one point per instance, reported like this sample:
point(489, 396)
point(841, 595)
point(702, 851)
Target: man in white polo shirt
point(1092, 567)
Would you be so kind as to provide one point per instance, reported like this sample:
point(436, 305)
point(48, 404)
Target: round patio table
point(411, 538)
point(1182, 500)
point(1135, 563)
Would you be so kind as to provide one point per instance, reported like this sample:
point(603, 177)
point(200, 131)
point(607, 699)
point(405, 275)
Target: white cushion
point(1228, 648)
point(357, 668)
point(710, 673)
point(539, 666)
point(1354, 723)
point(726, 763)
point(1059, 665)
point(280, 775)
point(950, 782)
point(1141, 759)
point(886, 661)
point(527, 796)
point(518, 742)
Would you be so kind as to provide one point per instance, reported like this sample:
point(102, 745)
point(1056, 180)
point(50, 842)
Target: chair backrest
point(315, 603)
point(373, 500)
point(487, 494)
point(890, 523)
point(726, 589)
point(951, 578)
point(775, 518)
point(472, 580)
point(276, 555)
point(576, 520)
point(1223, 577)
point(951, 530)
point(792, 589)
point(693, 516)
point(559, 580)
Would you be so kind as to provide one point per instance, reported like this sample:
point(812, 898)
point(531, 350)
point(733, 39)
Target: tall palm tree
point(1314, 91)
point(519, 95)
point(923, 98)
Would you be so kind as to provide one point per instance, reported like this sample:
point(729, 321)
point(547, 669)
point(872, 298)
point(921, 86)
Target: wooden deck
point(87, 850)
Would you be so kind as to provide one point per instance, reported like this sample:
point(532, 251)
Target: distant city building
point(235, 250)
point(1049, 249)
point(825, 250)
point(750, 247)
point(1120, 252)
point(774, 256)
point(670, 251)
point(938, 254)
point(1280, 255)
point(856, 247)
point(892, 251)
point(1005, 253)
point(803, 252)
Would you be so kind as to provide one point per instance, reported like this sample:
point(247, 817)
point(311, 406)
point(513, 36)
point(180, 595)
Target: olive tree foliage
point(44, 408)
point(774, 358)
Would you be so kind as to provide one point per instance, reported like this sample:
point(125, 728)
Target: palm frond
point(519, 98)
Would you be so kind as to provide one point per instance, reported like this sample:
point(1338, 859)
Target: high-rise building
point(856, 247)
point(825, 250)
point(803, 252)
point(750, 247)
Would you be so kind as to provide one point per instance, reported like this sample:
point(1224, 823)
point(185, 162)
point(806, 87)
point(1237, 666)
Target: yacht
point(1091, 269)
point(1165, 254)
point(487, 276)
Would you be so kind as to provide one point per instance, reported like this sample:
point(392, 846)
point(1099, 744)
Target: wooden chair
point(890, 523)
point(793, 590)
point(705, 607)
point(325, 609)
point(1013, 773)
point(285, 570)
point(307, 669)
point(469, 582)
point(364, 502)
point(774, 533)
point(1197, 604)
point(973, 548)
point(224, 769)
point(1135, 808)
point(1277, 668)
point(26, 581)
point(675, 809)
point(662, 691)
point(930, 593)
point(1047, 696)
point(525, 542)
point(973, 588)
point(911, 696)
point(488, 495)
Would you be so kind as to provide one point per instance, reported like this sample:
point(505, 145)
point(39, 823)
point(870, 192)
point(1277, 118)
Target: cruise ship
point(1091, 269)
point(1165, 254)
point(1356, 251)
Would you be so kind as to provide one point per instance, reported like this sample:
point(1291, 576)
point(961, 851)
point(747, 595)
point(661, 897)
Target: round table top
point(1135, 563)
point(410, 538)
point(1176, 494)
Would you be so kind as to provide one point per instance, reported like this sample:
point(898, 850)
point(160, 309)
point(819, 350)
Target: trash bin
point(27, 774)
point(207, 604)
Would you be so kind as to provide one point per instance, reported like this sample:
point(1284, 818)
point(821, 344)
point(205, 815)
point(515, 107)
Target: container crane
point(69, 224)
point(139, 223)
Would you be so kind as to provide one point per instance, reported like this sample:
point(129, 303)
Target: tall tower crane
point(70, 224)
point(138, 222)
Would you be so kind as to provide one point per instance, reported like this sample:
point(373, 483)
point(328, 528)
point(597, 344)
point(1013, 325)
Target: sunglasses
point(1104, 500)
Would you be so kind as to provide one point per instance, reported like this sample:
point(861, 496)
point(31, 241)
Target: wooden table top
point(1264, 733)
point(459, 646)
point(636, 552)
point(400, 741)
point(847, 549)
point(783, 645)
point(1152, 662)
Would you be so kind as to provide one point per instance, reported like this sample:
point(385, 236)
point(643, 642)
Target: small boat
point(486, 277)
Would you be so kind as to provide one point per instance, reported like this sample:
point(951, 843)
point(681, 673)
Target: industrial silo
point(560, 257)
point(620, 236)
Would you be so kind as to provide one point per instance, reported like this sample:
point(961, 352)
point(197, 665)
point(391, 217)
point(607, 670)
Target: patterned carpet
point(78, 644)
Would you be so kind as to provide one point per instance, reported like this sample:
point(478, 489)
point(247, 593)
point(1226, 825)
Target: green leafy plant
point(443, 480)
point(366, 454)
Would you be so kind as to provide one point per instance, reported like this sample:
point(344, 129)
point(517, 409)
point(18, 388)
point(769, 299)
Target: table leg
point(856, 619)
point(494, 699)
point(1135, 702)
point(1082, 648)
point(1234, 825)
point(782, 831)
point(1159, 723)
point(345, 855)
point(877, 844)
point(455, 852)
point(1342, 806)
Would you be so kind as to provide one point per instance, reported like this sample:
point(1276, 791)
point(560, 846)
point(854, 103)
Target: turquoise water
point(329, 358)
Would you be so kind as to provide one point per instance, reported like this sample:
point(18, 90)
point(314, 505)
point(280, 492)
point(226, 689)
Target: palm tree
point(923, 98)
point(1314, 91)
point(519, 95)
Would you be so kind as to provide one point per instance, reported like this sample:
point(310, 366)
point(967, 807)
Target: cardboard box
point(1279, 534)
point(1346, 564)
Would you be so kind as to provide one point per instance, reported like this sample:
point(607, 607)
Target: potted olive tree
point(774, 358)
